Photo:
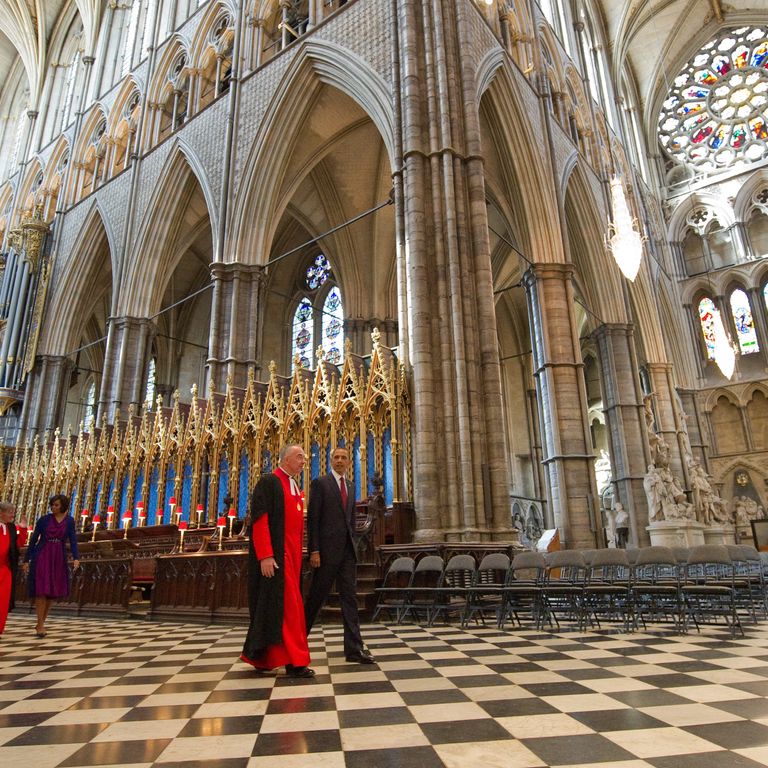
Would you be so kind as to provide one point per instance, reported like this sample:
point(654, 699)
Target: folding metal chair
point(422, 592)
point(486, 595)
point(656, 593)
point(564, 585)
point(523, 590)
point(393, 592)
point(452, 591)
point(607, 591)
point(709, 588)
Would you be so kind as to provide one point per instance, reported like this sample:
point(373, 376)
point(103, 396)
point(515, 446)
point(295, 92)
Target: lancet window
point(89, 407)
point(744, 322)
point(319, 315)
point(709, 314)
point(151, 383)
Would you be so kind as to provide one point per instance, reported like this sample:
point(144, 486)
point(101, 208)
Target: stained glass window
point(318, 272)
point(333, 327)
point(89, 413)
point(716, 112)
point(765, 295)
point(745, 325)
point(303, 333)
point(151, 383)
point(707, 314)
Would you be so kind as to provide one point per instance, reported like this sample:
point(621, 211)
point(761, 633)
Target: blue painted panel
point(223, 486)
point(123, 502)
point(242, 487)
point(151, 502)
point(137, 495)
point(314, 460)
point(389, 476)
point(97, 503)
point(356, 461)
point(170, 477)
point(186, 493)
point(371, 469)
point(266, 466)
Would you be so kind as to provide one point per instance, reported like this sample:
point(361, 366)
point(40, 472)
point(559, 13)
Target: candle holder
point(84, 518)
point(126, 524)
point(221, 524)
point(182, 531)
point(110, 516)
point(159, 516)
point(172, 505)
point(141, 513)
point(199, 511)
point(96, 521)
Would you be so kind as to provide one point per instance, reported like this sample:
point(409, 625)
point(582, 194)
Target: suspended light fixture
point(624, 240)
point(725, 356)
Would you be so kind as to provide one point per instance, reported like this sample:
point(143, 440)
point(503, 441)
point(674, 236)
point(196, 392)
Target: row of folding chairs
point(713, 584)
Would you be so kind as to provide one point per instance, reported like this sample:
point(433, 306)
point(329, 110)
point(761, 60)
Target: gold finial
point(159, 402)
point(272, 368)
point(193, 391)
point(347, 347)
point(230, 382)
point(320, 354)
point(375, 336)
point(297, 364)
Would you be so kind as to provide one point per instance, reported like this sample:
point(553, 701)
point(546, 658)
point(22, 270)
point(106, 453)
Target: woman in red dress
point(9, 558)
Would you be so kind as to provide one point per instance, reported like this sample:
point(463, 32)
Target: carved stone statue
point(621, 524)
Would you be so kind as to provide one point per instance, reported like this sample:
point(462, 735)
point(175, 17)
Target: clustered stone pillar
point(623, 408)
point(129, 347)
point(460, 472)
point(558, 370)
point(235, 318)
point(47, 388)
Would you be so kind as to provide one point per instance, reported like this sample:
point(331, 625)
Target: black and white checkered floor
point(138, 694)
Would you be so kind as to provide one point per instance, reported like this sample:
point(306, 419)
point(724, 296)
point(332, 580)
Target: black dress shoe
point(361, 657)
point(292, 671)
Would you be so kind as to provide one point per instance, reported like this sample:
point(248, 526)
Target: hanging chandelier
point(624, 241)
point(725, 356)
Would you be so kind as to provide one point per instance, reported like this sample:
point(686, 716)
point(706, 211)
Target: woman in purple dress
point(48, 577)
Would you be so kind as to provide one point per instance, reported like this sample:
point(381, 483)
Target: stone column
point(625, 422)
point(47, 388)
point(562, 398)
point(460, 473)
point(129, 345)
point(237, 293)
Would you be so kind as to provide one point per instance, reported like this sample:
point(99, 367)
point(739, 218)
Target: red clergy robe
point(294, 648)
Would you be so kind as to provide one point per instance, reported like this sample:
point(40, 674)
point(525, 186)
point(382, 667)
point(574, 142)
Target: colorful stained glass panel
point(303, 333)
point(745, 325)
point(333, 327)
point(707, 313)
point(717, 110)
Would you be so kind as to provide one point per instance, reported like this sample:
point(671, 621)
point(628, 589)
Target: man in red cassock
point(277, 633)
point(9, 560)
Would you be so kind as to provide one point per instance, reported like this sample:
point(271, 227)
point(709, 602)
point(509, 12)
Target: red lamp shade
point(182, 525)
point(139, 505)
point(172, 500)
point(232, 512)
point(127, 516)
point(222, 521)
point(96, 519)
point(199, 507)
point(85, 513)
point(110, 510)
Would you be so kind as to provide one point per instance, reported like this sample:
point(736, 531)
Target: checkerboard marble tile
point(139, 694)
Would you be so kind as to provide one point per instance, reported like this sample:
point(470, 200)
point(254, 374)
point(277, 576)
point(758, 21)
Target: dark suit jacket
point(329, 526)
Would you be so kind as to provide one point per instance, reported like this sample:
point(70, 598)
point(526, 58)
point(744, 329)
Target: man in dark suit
point(332, 555)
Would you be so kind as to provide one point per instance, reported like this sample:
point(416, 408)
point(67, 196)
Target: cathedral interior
point(512, 253)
